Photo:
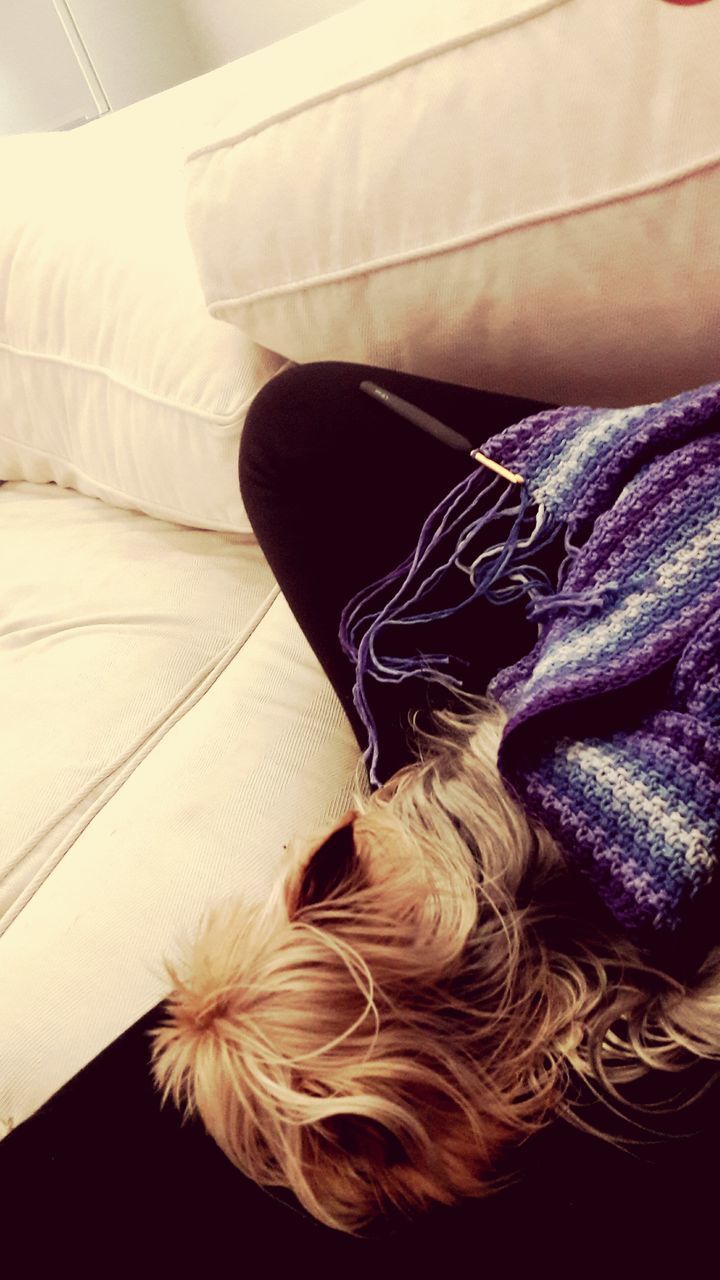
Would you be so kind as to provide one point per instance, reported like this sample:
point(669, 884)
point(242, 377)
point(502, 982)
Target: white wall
point(223, 30)
point(41, 84)
point(138, 47)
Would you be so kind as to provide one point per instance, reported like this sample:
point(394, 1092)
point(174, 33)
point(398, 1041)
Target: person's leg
point(337, 488)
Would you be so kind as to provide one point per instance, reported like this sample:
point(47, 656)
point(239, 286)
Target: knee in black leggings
point(297, 413)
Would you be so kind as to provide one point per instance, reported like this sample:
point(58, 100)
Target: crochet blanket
point(613, 733)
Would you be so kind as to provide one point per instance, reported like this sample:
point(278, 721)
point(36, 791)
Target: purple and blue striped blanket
point(613, 734)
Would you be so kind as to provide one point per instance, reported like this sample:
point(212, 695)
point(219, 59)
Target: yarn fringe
point(444, 558)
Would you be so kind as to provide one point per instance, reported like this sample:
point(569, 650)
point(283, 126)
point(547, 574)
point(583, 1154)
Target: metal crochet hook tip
point(496, 466)
point(435, 428)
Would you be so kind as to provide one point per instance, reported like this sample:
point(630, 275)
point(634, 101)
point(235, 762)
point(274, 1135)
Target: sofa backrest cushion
point(114, 380)
point(517, 195)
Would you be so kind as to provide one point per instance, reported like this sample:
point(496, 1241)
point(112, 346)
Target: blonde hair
point(386, 1039)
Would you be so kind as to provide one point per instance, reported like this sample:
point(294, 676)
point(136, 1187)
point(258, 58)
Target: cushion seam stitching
point(467, 240)
point(223, 419)
point(132, 760)
point(402, 64)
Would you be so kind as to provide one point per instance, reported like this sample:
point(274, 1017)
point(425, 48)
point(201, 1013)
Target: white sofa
point(514, 195)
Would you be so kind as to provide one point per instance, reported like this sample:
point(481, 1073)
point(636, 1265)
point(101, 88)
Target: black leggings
point(337, 488)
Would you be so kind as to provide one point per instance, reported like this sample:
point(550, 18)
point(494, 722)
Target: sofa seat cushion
point(519, 195)
point(113, 623)
point(114, 380)
point(166, 730)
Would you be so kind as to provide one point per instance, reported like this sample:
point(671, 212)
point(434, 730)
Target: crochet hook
point(435, 428)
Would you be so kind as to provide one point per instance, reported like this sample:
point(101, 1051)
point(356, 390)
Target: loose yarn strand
point(350, 623)
point(448, 531)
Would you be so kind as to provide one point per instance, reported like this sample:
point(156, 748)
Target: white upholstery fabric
point(114, 380)
point(515, 195)
point(165, 730)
